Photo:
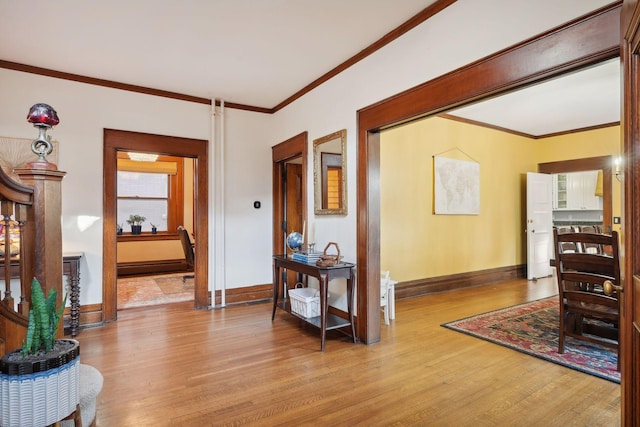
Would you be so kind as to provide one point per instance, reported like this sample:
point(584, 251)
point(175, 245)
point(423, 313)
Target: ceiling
point(238, 51)
point(590, 97)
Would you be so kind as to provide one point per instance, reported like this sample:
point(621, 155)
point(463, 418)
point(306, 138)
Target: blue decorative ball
point(294, 241)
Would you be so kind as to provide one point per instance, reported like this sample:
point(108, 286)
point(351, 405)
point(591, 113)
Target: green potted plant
point(119, 229)
point(154, 228)
point(135, 221)
point(40, 382)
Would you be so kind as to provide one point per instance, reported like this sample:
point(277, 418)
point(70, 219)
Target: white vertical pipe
point(212, 202)
point(221, 231)
point(217, 267)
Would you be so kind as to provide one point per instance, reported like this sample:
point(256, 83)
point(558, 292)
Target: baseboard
point(246, 295)
point(152, 267)
point(91, 314)
point(414, 288)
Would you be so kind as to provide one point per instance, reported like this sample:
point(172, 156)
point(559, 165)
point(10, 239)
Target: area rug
point(532, 328)
point(154, 290)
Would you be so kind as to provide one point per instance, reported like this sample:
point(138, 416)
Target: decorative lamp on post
point(43, 117)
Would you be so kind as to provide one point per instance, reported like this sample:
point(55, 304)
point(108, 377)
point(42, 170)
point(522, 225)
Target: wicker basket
point(305, 302)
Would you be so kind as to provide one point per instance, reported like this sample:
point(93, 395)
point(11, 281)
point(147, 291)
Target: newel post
point(46, 181)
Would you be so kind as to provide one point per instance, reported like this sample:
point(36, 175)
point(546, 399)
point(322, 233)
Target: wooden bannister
point(35, 204)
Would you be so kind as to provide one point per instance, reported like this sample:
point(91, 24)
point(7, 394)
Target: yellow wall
point(156, 250)
point(416, 244)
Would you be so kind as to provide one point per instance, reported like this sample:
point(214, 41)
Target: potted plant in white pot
point(135, 221)
point(40, 382)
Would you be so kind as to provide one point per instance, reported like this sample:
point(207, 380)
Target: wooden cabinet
point(576, 191)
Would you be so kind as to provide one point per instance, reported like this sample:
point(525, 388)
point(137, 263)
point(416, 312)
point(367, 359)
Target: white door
point(539, 225)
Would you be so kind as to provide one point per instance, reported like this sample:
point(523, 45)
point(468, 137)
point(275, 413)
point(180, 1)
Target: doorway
point(511, 69)
point(600, 163)
point(117, 140)
point(289, 191)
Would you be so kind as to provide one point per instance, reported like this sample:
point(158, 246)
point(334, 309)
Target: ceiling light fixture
point(142, 157)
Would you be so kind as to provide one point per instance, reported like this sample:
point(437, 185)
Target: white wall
point(84, 112)
point(466, 31)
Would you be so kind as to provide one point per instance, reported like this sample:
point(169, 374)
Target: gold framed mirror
point(330, 174)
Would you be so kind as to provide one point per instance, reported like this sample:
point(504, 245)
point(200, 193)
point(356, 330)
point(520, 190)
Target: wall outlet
point(616, 220)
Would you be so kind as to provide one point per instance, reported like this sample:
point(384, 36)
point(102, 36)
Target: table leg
point(350, 305)
point(323, 308)
point(74, 296)
point(74, 285)
point(392, 300)
point(276, 289)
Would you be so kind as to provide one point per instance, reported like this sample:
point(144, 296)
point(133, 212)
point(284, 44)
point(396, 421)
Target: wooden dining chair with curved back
point(187, 247)
point(587, 280)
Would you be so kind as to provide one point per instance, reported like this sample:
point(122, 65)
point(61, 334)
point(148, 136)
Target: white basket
point(305, 301)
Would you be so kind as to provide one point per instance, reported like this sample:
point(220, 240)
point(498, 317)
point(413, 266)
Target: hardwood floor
point(171, 365)
point(141, 291)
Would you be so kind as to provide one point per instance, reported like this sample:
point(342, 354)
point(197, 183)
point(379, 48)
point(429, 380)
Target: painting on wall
point(456, 186)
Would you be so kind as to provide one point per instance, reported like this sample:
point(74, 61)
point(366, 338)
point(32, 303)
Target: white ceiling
point(236, 50)
point(239, 51)
point(590, 97)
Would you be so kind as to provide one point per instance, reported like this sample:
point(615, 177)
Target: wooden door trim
point(296, 146)
point(119, 140)
point(629, 334)
point(584, 41)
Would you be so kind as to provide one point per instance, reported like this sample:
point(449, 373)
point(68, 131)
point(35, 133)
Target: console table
point(71, 269)
point(326, 321)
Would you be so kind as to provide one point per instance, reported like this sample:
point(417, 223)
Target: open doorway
point(116, 141)
point(289, 191)
point(153, 264)
point(516, 67)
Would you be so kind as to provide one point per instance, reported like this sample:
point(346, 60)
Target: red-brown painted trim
point(430, 285)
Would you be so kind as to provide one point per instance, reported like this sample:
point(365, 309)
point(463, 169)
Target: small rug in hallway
point(153, 290)
point(532, 328)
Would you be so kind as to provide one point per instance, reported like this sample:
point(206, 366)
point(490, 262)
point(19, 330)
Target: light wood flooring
point(173, 366)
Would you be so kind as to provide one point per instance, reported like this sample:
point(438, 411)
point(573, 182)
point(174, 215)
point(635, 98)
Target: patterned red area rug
point(532, 328)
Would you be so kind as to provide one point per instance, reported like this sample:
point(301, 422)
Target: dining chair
point(587, 289)
point(187, 248)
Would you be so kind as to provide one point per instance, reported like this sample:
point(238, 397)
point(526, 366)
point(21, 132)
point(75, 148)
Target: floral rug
point(532, 328)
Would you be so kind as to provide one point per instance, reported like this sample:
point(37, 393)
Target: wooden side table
point(326, 321)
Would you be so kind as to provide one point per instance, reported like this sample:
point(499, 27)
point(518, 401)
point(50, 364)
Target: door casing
point(119, 140)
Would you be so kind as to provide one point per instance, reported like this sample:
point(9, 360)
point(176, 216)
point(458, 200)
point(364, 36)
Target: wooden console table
point(71, 269)
point(326, 321)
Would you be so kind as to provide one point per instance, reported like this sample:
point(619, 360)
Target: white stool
point(90, 386)
point(387, 296)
